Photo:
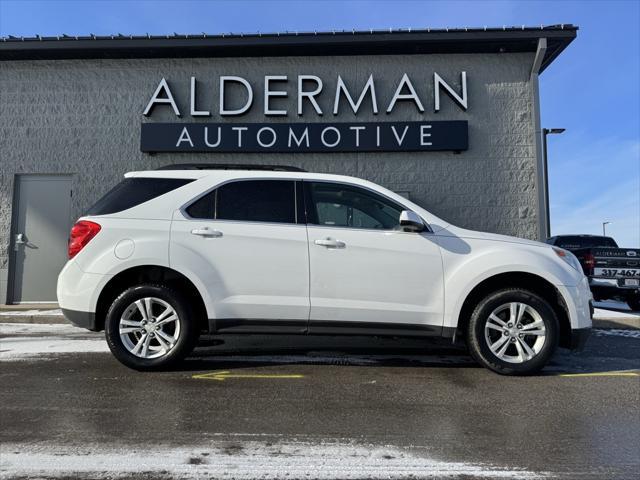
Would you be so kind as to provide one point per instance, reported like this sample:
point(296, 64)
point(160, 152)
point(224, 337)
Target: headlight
point(568, 257)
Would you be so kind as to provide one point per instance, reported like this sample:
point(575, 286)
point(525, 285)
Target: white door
point(364, 268)
point(244, 241)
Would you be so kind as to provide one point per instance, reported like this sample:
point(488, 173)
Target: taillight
point(589, 262)
point(81, 234)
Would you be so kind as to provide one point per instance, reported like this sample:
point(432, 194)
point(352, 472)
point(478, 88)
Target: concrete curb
point(604, 323)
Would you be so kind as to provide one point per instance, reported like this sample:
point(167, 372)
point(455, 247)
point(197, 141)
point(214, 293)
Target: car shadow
point(604, 354)
point(250, 351)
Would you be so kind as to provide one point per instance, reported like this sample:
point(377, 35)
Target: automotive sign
point(305, 137)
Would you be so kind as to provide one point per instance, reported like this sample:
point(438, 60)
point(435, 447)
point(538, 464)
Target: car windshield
point(577, 241)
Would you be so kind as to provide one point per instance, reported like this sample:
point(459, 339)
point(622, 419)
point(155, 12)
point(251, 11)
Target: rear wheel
point(150, 327)
point(513, 332)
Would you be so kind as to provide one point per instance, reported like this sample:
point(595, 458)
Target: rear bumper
point(609, 289)
point(78, 290)
point(579, 338)
point(81, 319)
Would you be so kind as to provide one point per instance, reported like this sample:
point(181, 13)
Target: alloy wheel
point(149, 328)
point(515, 332)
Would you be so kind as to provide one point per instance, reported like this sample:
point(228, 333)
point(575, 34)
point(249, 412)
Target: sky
point(591, 90)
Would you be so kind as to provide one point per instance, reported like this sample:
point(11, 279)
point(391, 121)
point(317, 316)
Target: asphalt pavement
point(314, 407)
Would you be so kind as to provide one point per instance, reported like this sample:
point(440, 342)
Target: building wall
point(83, 117)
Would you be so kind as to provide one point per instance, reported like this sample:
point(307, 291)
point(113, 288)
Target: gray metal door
point(41, 223)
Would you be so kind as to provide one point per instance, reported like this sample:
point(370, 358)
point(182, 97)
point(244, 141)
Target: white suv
point(172, 253)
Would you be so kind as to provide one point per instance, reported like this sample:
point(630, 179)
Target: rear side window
point(272, 201)
point(134, 191)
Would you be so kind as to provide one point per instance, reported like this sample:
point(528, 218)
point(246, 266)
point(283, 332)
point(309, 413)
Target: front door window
point(348, 206)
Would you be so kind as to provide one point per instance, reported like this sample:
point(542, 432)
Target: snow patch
point(25, 341)
point(243, 460)
point(42, 329)
point(615, 304)
point(30, 313)
point(616, 332)
point(23, 348)
point(600, 313)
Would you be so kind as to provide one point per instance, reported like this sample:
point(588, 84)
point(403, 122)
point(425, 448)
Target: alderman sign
point(304, 93)
point(305, 137)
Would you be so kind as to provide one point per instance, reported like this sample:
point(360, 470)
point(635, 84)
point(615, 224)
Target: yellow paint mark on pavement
point(620, 373)
point(221, 376)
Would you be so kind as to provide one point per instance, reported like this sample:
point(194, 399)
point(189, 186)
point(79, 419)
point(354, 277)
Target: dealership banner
point(305, 137)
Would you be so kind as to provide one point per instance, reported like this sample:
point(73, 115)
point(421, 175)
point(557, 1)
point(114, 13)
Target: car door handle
point(330, 243)
point(206, 232)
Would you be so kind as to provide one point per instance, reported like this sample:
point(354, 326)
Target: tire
point(160, 352)
point(515, 360)
point(634, 303)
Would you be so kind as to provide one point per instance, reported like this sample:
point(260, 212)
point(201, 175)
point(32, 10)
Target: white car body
point(278, 273)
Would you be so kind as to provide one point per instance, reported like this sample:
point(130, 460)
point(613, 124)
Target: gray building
point(448, 118)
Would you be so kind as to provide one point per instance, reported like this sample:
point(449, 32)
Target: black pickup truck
point(613, 272)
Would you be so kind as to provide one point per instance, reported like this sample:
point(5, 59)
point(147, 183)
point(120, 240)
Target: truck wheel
point(513, 332)
point(150, 327)
point(634, 302)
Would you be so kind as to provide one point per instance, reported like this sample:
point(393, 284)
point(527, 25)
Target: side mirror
point(411, 221)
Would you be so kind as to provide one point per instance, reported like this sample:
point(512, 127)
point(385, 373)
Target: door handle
point(330, 243)
point(207, 232)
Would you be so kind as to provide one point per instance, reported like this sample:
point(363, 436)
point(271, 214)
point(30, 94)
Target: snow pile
point(611, 309)
point(242, 460)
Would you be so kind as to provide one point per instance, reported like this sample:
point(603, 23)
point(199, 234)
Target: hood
point(452, 231)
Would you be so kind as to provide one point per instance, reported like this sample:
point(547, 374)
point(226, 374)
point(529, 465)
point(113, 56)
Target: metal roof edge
point(353, 42)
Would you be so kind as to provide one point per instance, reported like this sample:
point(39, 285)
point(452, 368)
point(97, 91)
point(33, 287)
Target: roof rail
point(230, 166)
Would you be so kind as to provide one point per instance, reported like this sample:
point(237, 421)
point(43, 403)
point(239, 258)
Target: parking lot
point(314, 407)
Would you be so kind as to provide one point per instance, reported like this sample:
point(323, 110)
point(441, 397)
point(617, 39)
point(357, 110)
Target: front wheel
point(150, 327)
point(513, 332)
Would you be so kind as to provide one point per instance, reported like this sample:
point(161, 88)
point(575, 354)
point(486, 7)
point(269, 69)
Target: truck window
point(578, 241)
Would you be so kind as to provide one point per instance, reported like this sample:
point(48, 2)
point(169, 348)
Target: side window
point(339, 205)
point(271, 201)
point(134, 191)
point(204, 207)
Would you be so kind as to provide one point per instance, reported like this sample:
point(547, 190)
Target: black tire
point(187, 337)
point(634, 303)
point(477, 342)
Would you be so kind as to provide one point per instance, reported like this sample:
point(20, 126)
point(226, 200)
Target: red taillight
point(589, 262)
point(81, 234)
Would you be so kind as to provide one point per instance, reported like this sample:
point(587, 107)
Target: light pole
point(604, 228)
point(545, 132)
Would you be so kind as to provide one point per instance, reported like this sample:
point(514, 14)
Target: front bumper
point(579, 338)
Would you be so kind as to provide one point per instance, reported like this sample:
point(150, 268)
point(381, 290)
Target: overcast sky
point(591, 89)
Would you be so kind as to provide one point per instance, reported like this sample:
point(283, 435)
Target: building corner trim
point(541, 185)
